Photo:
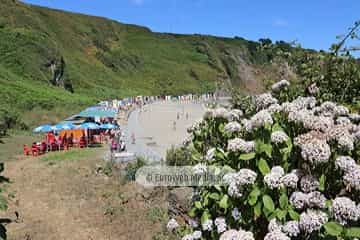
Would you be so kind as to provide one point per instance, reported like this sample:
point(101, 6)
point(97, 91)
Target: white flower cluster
point(276, 87)
point(237, 235)
point(195, 126)
point(343, 121)
point(330, 109)
point(216, 113)
point(300, 103)
point(274, 225)
point(193, 236)
point(172, 225)
point(351, 171)
point(210, 154)
point(300, 116)
point(232, 127)
point(273, 178)
point(277, 178)
point(354, 117)
point(237, 181)
point(274, 108)
point(235, 115)
point(344, 210)
point(309, 183)
point(312, 220)
point(345, 163)
point(315, 151)
point(320, 123)
point(264, 100)
point(260, 119)
point(279, 137)
point(276, 235)
point(289, 229)
point(352, 178)
point(290, 180)
point(240, 145)
point(220, 224)
point(302, 200)
point(220, 113)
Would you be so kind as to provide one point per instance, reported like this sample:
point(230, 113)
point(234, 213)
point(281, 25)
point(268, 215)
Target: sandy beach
point(154, 130)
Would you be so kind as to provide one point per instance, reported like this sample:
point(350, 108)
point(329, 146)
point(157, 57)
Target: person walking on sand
point(177, 116)
point(174, 125)
point(133, 138)
point(187, 116)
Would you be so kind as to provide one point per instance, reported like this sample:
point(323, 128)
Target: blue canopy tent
point(89, 125)
point(43, 128)
point(97, 113)
point(63, 126)
point(108, 126)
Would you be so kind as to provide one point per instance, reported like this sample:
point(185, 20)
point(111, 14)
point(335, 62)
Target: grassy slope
point(104, 59)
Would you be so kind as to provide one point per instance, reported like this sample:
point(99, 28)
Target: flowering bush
point(297, 172)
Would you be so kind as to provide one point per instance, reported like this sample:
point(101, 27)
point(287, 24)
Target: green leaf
point(268, 203)
point(281, 214)
point(218, 187)
point(283, 201)
point(263, 167)
point(266, 212)
point(333, 228)
point(253, 196)
point(257, 209)
point(205, 216)
point(206, 200)
point(262, 147)
point(224, 202)
point(353, 232)
point(192, 212)
point(247, 156)
point(221, 128)
point(328, 203)
point(198, 205)
point(277, 127)
point(294, 215)
point(214, 196)
point(322, 183)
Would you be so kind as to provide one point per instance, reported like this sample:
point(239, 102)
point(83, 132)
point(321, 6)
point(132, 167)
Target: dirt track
point(68, 200)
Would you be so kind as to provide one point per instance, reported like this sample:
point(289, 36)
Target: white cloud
point(280, 23)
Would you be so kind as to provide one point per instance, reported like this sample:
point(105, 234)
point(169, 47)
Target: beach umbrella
point(63, 126)
point(43, 128)
point(89, 125)
point(108, 126)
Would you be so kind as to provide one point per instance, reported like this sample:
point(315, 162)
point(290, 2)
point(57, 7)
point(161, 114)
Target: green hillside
point(51, 59)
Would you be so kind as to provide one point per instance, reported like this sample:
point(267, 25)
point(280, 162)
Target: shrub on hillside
point(297, 172)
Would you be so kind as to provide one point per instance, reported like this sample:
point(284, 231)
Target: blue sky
point(313, 23)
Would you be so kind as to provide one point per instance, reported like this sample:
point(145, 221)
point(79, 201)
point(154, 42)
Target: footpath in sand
point(153, 127)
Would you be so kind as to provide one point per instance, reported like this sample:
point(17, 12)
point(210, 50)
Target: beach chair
point(35, 150)
point(26, 150)
point(82, 143)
